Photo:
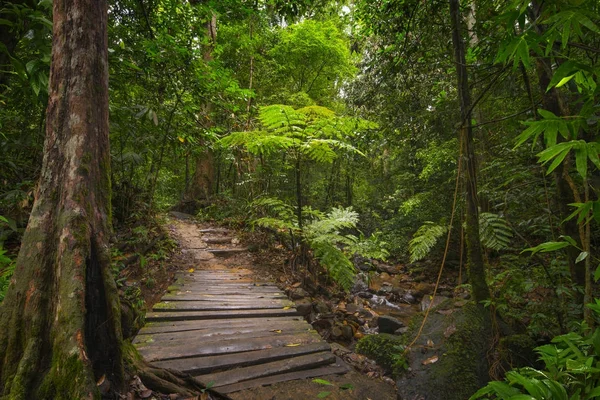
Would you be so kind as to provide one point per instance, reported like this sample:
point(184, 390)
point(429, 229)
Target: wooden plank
point(241, 285)
point(181, 338)
point(250, 323)
point(202, 365)
point(226, 252)
point(196, 315)
point(333, 369)
point(185, 296)
point(193, 349)
point(214, 230)
point(208, 332)
point(272, 368)
point(167, 306)
point(218, 240)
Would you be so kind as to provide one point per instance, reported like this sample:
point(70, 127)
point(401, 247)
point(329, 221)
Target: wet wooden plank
point(202, 365)
point(248, 323)
point(167, 306)
point(196, 315)
point(191, 296)
point(222, 333)
point(156, 353)
point(227, 252)
point(333, 369)
point(272, 368)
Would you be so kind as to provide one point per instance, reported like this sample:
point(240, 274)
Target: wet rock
point(423, 288)
point(304, 307)
point(362, 263)
point(347, 332)
point(409, 298)
point(437, 300)
point(322, 324)
point(387, 324)
point(351, 308)
point(365, 295)
point(359, 285)
point(321, 307)
point(298, 293)
point(401, 331)
point(382, 348)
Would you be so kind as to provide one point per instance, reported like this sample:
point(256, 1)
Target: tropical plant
point(571, 372)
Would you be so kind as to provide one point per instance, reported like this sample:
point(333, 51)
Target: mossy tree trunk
point(60, 319)
point(476, 268)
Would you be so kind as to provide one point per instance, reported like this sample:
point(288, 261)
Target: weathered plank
point(190, 296)
point(166, 306)
point(227, 252)
point(192, 315)
point(202, 365)
point(248, 323)
point(223, 333)
point(267, 369)
point(333, 369)
point(192, 349)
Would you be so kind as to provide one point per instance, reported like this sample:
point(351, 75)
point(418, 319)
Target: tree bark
point(476, 269)
point(60, 319)
point(204, 175)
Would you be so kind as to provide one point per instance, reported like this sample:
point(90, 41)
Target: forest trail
point(221, 324)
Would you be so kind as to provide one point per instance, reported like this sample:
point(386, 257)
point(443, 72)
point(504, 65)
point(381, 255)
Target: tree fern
point(425, 239)
point(494, 231)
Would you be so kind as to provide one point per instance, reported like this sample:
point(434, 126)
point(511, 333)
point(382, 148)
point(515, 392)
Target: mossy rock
point(456, 366)
point(385, 349)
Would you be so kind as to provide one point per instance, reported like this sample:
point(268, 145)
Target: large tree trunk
point(60, 319)
point(474, 252)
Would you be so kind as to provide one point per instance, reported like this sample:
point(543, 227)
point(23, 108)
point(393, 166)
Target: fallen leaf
point(292, 345)
point(287, 307)
point(323, 395)
point(431, 360)
point(145, 394)
point(322, 381)
point(191, 270)
point(430, 343)
point(449, 331)
point(276, 330)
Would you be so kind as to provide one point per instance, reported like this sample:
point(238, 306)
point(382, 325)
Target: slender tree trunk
point(60, 319)
point(476, 268)
point(204, 175)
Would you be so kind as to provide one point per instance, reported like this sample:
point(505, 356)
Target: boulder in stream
point(387, 324)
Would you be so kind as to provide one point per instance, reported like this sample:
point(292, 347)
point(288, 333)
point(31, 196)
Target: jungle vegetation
point(379, 128)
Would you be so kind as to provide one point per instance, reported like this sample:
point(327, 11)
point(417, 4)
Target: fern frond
point(424, 239)
point(495, 233)
point(339, 267)
point(274, 207)
point(336, 219)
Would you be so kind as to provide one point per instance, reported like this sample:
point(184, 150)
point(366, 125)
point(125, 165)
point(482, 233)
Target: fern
point(494, 231)
point(425, 239)
point(337, 264)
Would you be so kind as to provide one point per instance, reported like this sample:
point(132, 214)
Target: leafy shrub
point(572, 370)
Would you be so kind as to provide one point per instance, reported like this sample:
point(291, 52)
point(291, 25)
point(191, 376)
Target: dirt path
point(201, 242)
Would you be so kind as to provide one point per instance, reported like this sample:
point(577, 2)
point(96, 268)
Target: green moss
point(463, 367)
point(164, 306)
point(387, 351)
point(68, 379)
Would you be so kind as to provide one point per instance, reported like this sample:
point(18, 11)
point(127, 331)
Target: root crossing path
point(228, 330)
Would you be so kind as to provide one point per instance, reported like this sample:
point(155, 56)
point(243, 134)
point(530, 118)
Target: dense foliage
point(336, 126)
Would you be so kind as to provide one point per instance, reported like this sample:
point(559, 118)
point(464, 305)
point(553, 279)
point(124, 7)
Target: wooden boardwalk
point(233, 333)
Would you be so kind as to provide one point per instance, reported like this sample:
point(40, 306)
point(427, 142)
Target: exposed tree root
point(166, 380)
